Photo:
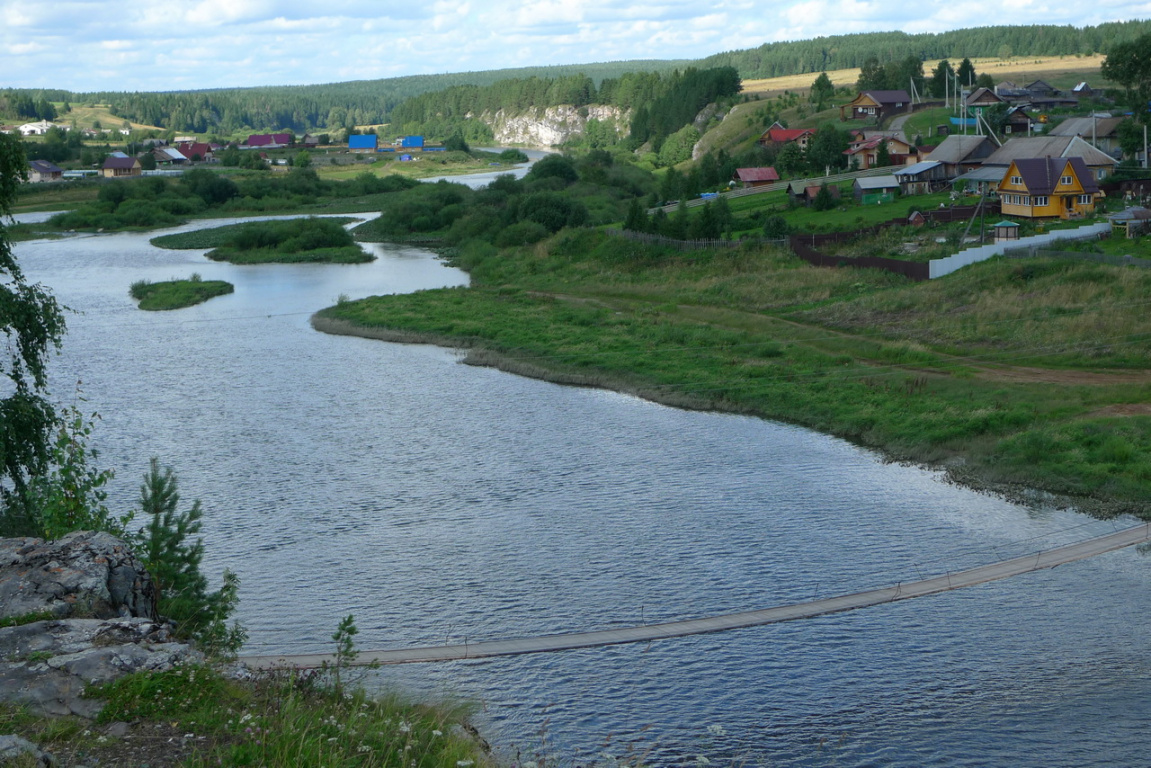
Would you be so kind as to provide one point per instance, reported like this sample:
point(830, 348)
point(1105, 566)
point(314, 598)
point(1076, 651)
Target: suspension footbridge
point(903, 591)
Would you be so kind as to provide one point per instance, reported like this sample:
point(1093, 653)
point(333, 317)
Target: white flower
point(437, 733)
point(464, 763)
point(716, 730)
point(405, 727)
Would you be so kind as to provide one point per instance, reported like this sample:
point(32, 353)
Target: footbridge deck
point(903, 591)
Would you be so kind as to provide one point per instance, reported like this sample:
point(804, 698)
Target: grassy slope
point(938, 373)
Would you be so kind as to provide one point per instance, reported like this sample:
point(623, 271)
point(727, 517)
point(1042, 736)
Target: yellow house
point(1048, 187)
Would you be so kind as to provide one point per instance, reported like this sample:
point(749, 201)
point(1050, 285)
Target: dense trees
point(34, 325)
point(846, 51)
point(1129, 64)
point(821, 91)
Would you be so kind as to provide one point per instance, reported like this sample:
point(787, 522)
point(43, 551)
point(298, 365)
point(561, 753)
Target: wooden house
point(269, 140)
point(755, 177)
point(960, 154)
point(982, 98)
point(922, 178)
point(1102, 132)
point(865, 151)
point(777, 135)
point(875, 105)
point(1100, 163)
point(1018, 122)
point(1048, 187)
point(119, 167)
point(42, 170)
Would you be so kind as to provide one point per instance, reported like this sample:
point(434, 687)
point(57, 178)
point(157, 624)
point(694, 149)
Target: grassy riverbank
point(194, 716)
point(177, 294)
point(1013, 375)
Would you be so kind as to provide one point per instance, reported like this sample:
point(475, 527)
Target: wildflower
point(247, 716)
point(437, 733)
point(716, 730)
point(363, 748)
point(465, 763)
point(405, 727)
point(332, 739)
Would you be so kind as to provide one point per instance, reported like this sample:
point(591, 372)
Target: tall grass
point(867, 355)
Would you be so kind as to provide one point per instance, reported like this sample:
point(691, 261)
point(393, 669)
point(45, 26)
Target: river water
point(439, 502)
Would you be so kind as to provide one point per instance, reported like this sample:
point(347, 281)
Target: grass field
point(1059, 71)
point(1013, 375)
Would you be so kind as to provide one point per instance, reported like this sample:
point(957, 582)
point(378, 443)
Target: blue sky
point(84, 45)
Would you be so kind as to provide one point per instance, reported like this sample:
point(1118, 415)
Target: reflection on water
point(439, 502)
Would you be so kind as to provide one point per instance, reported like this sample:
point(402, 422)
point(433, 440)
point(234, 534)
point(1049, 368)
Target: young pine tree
point(173, 559)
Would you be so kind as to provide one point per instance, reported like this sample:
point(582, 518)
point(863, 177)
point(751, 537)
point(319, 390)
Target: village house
point(1100, 163)
point(1048, 187)
point(864, 151)
point(960, 154)
point(40, 128)
point(922, 178)
point(755, 177)
point(42, 170)
point(196, 151)
point(1018, 122)
point(777, 135)
point(982, 98)
point(798, 192)
point(169, 156)
point(875, 105)
point(268, 141)
point(1101, 131)
point(118, 167)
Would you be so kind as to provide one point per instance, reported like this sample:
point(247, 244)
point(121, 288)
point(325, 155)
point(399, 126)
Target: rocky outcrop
point(84, 610)
point(552, 126)
point(83, 574)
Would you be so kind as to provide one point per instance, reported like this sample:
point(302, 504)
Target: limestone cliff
point(549, 127)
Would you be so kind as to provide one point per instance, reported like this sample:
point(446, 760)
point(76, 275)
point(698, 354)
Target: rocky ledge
point(76, 611)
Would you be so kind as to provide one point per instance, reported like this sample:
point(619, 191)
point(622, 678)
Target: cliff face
point(552, 126)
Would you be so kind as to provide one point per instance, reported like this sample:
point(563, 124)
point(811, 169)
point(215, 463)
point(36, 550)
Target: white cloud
point(154, 45)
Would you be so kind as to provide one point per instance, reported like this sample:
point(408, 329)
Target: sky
point(145, 45)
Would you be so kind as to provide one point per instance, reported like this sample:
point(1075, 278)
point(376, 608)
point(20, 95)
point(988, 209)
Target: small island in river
point(291, 241)
point(177, 294)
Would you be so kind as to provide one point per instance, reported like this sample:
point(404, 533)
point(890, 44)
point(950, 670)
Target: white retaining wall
point(941, 267)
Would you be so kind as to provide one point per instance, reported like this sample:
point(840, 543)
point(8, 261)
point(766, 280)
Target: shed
point(412, 142)
point(1131, 222)
point(875, 189)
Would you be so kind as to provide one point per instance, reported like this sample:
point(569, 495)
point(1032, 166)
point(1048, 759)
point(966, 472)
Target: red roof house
point(777, 134)
point(270, 140)
point(755, 177)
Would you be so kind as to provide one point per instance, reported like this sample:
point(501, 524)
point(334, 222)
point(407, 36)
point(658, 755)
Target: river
point(441, 502)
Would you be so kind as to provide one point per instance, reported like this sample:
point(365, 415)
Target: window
point(1018, 180)
point(1066, 181)
point(1040, 201)
point(1085, 199)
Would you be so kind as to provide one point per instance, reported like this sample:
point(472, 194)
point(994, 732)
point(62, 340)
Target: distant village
point(1038, 169)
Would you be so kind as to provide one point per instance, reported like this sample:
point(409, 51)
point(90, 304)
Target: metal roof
point(920, 167)
point(877, 182)
point(991, 173)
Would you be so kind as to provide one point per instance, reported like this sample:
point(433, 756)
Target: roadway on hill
point(904, 591)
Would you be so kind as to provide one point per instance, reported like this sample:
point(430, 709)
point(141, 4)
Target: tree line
point(849, 51)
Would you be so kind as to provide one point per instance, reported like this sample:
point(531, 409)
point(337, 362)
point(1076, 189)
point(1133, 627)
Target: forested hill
point(368, 102)
point(848, 51)
point(305, 107)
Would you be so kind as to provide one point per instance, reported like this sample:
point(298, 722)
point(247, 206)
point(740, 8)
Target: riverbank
point(1025, 379)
